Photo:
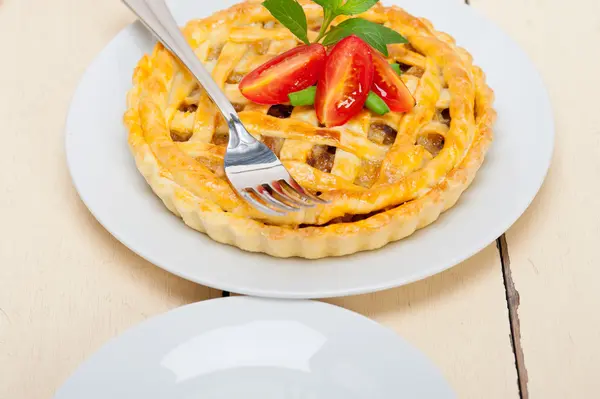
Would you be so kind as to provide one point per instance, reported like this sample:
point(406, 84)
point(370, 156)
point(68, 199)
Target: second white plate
point(252, 348)
point(107, 180)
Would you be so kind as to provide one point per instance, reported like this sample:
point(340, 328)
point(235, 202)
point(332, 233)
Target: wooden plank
point(84, 288)
point(552, 248)
point(459, 320)
point(66, 286)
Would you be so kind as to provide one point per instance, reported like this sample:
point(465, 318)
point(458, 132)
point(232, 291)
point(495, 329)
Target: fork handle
point(157, 17)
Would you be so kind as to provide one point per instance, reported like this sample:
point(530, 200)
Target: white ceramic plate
point(105, 175)
point(252, 348)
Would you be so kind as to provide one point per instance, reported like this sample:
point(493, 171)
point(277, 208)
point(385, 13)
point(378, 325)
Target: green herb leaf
point(353, 7)
point(391, 36)
point(376, 35)
point(331, 4)
point(330, 8)
point(291, 15)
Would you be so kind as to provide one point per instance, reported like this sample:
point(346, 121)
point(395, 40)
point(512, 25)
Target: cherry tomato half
point(388, 85)
point(345, 84)
point(289, 72)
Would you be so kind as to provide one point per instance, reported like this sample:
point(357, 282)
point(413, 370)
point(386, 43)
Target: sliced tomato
point(388, 85)
point(345, 83)
point(289, 72)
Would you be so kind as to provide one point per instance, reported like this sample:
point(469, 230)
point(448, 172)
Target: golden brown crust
point(379, 193)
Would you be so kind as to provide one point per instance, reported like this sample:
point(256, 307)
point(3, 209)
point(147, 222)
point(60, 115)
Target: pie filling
point(322, 157)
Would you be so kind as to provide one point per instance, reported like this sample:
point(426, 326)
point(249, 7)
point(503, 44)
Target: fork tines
point(280, 197)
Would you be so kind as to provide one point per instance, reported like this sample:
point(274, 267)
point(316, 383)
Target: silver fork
point(253, 170)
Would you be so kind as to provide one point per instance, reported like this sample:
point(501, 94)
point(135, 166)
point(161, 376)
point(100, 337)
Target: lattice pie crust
point(386, 176)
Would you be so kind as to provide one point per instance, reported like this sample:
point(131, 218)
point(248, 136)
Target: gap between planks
point(512, 302)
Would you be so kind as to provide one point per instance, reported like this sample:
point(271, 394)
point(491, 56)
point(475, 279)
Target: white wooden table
point(517, 320)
